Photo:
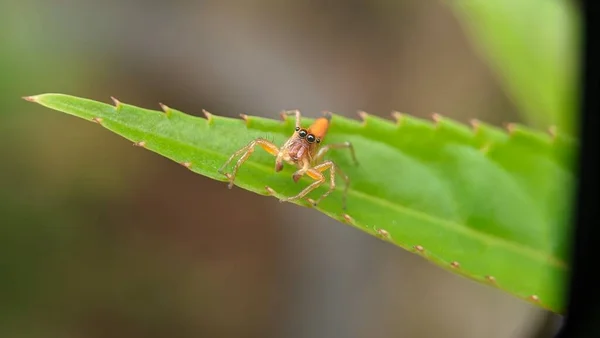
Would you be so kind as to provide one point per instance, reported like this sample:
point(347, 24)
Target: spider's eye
point(302, 133)
point(318, 140)
point(310, 138)
point(297, 128)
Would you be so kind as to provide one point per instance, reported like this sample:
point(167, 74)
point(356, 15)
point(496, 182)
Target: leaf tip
point(165, 108)
point(116, 102)
point(33, 98)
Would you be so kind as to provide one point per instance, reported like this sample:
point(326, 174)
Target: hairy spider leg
point(335, 169)
point(300, 172)
point(247, 151)
point(293, 112)
point(281, 154)
point(328, 147)
point(316, 173)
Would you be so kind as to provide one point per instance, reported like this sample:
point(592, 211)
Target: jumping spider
point(302, 150)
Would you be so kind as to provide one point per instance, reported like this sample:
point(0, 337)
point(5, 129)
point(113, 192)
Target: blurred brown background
point(102, 239)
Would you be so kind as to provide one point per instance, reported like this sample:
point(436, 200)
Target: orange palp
point(302, 150)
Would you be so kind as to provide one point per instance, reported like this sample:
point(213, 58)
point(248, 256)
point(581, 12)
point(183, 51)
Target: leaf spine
point(348, 219)
point(270, 191)
point(363, 116)
point(511, 127)
point(116, 103)
point(245, 118)
point(399, 117)
point(475, 125)
point(383, 233)
point(166, 109)
point(436, 119)
point(490, 279)
point(209, 116)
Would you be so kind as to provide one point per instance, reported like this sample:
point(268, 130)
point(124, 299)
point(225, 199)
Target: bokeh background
point(102, 239)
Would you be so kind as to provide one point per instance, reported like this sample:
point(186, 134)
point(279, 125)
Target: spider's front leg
point(316, 173)
point(246, 152)
point(292, 112)
point(312, 173)
point(345, 145)
point(333, 169)
point(301, 172)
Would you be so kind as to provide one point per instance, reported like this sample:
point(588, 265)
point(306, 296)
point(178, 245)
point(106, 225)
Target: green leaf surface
point(483, 202)
point(533, 47)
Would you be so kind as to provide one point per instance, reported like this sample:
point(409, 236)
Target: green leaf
point(482, 202)
point(532, 46)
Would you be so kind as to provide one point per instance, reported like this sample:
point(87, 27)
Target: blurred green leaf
point(533, 47)
point(481, 202)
